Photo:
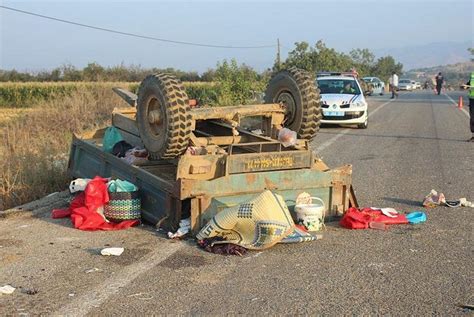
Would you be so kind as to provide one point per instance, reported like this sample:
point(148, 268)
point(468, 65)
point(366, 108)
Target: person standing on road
point(470, 85)
point(393, 84)
point(439, 82)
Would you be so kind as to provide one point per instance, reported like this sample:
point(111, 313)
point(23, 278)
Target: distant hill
point(454, 74)
point(429, 55)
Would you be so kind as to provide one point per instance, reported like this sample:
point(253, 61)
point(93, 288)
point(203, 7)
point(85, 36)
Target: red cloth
point(83, 209)
point(360, 218)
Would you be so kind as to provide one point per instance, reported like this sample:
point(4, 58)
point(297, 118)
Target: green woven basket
point(123, 206)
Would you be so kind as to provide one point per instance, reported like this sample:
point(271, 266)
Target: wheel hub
point(289, 103)
point(155, 116)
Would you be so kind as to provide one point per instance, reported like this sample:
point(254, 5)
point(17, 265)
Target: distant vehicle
point(418, 85)
point(414, 85)
point(378, 86)
point(405, 84)
point(342, 100)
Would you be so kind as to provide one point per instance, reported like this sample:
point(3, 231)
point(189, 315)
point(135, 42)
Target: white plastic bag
point(287, 137)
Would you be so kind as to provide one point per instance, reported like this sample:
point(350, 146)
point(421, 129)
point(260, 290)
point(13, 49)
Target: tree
point(328, 59)
point(70, 73)
point(93, 72)
point(322, 58)
point(363, 60)
point(302, 57)
point(208, 75)
point(385, 66)
point(235, 83)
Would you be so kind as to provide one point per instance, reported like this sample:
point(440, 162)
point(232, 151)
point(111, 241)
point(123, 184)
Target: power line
point(133, 34)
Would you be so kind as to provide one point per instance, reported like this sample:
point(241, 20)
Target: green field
point(28, 94)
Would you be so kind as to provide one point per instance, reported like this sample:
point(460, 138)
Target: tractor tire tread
point(177, 113)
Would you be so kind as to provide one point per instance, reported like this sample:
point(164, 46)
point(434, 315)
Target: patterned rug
point(257, 224)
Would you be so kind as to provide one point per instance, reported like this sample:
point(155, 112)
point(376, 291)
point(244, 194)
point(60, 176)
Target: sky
point(31, 43)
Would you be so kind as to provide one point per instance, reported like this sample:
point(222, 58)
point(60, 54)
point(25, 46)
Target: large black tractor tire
point(163, 116)
point(298, 92)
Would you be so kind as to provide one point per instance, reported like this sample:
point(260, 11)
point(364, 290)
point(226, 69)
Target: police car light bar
point(347, 74)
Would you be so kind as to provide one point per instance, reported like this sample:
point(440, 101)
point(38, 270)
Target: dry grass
point(10, 114)
point(34, 144)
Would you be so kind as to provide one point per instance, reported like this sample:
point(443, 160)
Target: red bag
point(84, 209)
point(353, 219)
point(360, 219)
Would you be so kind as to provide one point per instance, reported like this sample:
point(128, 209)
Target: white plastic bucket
point(311, 215)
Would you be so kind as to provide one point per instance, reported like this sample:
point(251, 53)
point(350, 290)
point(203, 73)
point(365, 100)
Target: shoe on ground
point(471, 139)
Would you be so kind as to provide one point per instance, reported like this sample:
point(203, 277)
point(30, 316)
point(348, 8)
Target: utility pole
point(278, 54)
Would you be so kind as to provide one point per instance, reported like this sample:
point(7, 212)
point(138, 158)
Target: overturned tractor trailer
point(201, 159)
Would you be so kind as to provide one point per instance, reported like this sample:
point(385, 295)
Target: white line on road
point(455, 103)
point(337, 136)
point(82, 305)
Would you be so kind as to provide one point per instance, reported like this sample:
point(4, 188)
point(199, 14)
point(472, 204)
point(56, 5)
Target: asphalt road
point(413, 144)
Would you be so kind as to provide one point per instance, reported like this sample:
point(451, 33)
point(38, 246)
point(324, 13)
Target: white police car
point(342, 100)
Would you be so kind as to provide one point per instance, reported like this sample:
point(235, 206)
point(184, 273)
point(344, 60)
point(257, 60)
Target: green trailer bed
point(166, 197)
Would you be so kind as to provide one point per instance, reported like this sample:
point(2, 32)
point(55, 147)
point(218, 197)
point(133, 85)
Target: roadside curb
point(38, 207)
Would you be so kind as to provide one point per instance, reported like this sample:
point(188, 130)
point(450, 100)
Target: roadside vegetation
point(29, 94)
point(34, 146)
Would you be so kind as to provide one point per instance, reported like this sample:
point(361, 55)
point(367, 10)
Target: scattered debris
point(461, 202)
point(466, 203)
point(112, 251)
point(287, 137)
point(71, 294)
point(209, 245)
point(467, 306)
point(29, 291)
point(7, 290)
point(433, 199)
point(416, 217)
point(257, 131)
point(378, 225)
point(92, 270)
point(79, 184)
point(184, 228)
point(389, 212)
